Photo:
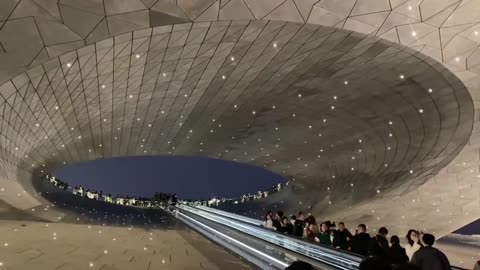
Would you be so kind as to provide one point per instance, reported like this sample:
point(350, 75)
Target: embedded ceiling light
point(360, 140)
point(274, 45)
point(420, 110)
point(430, 90)
point(345, 82)
point(390, 134)
point(149, 125)
point(131, 96)
point(137, 56)
point(402, 76)
point(103, 86)
point(333, 107)
point(235, 106)
point(309, 126)
point(475, 33)
point(223, 77)
point(253, 112)
point(37, 125)
point(69, 65)
point(163, 112)
point(414, 34)
point(409, 7)
point(324, 120)
point(390, 123)
point(299, 95)
point(273, 107)
point(411, 171)
point(232, 58)
point(457, 59)
point(56, 108)
point(164, 74)
point(185, 95)
point(378, 190)
point(335, 97)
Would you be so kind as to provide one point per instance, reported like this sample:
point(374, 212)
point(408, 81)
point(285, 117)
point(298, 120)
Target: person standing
point(311, 229)
point(396, 253)
point(299, 224)
point(277, 221)
point(287, 227)
point(428, 257)
point(268, 221)
point(378, 245)
point(360, 241)
point(413, 243)
point(342, 237)
point(323, 236)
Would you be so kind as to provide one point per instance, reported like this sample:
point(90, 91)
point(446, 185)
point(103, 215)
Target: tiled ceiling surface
point(347, 115)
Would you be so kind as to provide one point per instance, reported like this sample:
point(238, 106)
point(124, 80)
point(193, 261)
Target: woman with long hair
point(310, 229)
point(414, 244)
point(268, 221)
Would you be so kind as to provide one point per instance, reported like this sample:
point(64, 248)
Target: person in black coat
point(277, 221)
point(342, 237)
point(430, 258)
point(360, 241)
point(299, 225)
point(287, 227)
point(378, 245)
point(397, 254)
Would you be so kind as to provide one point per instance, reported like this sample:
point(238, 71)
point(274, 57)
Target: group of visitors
point(418, 253)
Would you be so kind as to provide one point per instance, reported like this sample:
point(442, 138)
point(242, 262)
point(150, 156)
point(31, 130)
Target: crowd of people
point(417, 253)
point(158, 199)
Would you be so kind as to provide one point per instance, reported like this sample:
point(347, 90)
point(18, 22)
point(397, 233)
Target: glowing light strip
point(231, 215)
point(268, 257)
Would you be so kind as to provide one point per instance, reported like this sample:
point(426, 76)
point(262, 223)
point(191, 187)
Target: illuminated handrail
point(231, 215)
point(322, 254)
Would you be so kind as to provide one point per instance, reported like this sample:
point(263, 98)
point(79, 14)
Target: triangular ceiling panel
point(286, 11)
point(235, 9)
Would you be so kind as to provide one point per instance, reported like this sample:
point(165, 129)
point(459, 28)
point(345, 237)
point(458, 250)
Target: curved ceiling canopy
point(327, 107)
point(344, 115)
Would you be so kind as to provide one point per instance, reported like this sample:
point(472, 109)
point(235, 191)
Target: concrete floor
point(39, 245)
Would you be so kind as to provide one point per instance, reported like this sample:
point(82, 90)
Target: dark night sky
point(189, 177)
point(470, 229)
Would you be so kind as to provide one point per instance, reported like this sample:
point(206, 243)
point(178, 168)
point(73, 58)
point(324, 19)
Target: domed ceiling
point(355, 120)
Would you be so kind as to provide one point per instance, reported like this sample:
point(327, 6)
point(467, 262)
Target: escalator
point(265, 248)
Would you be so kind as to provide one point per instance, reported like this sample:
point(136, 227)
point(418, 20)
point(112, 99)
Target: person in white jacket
point(413, 243)
point(268, 222)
